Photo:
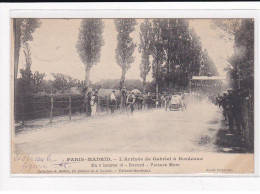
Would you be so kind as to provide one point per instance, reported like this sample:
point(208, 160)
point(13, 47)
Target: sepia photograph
point(132, 96)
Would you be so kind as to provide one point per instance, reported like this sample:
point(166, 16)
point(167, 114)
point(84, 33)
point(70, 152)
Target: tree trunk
point(122, 80)
point(168, 68)
point(17, 44)
point(144, 84)
point(157, 96)
point(87, 77)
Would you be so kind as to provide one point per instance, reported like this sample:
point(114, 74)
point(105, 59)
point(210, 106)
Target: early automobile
point(176, 103)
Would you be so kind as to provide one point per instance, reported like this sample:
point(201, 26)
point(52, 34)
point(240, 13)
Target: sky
point(53, 49)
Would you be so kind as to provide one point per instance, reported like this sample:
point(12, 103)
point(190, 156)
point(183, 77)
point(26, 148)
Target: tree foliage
point(125, 48)
point(157, 50)
point(177, 53)
point(26, 73)
point(62, 83)
point(125, 45)
point(144, 49)
point(37, 80)
point(30, 82)
point(90, 42)
point(242, 61)
point(23, 30)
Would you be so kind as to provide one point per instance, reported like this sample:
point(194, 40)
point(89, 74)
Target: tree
point(158, 54)
point(241, 69)
point(90, 42)
point(26, 73)
point(23, 30)
point(63, 82)
point(177, 59)
point(209, 66)
point(170, 35)
point(125, 48)
point(37, 80)
point(144, 49)
point(30, 82)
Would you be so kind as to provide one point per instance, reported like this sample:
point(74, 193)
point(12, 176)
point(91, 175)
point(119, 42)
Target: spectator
point(229, 108)
point(237, 110)
point(112, 101)
point(88, 103)
point(94, 102)
point(130, 101)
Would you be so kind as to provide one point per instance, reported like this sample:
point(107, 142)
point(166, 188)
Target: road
point(192, 130)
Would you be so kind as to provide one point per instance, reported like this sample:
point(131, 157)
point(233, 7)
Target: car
point(175, 103)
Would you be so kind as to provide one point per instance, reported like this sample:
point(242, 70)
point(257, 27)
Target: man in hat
point(237, 111)
point(181, 100)
point(229, 110)
point(167, 100)
point(224, 105)
point(94, 102)
point(88, 103)
point(130, 101)
point(113, 101)
point(124, 94)
point(87, 100)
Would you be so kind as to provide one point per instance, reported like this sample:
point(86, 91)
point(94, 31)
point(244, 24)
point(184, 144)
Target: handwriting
point(64, 164)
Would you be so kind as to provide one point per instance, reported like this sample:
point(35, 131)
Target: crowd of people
point(231, 102)
point(135, 100)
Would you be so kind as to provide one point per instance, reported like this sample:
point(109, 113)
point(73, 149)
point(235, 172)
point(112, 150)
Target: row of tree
point(176, 53)
point(168, 46)
point(170, 50)
point(240, 73)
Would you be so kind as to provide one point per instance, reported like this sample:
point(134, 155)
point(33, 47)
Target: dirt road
point(192, 130)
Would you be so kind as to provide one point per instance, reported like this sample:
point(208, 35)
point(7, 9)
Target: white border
point(128, 13)
point(110, 10)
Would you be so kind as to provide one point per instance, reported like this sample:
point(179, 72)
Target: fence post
point(70, 106)
point(108, 104)
point(51, 113)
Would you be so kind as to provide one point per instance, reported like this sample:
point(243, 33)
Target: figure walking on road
point(130, 101)
point(113, 101)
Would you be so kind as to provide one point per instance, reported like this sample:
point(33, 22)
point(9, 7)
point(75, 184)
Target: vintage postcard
point(126, 96)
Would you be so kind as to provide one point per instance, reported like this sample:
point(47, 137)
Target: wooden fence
point(31, 107)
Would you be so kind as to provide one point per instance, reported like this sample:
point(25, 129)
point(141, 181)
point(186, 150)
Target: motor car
point(175, 103)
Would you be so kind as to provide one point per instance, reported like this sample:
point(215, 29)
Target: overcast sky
point(53, 49)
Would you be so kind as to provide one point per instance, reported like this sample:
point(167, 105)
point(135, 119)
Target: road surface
point(192, 130)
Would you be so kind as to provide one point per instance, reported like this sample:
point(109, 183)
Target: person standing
point(167, 101)
point(224, 105)
point(181, 100)
point(162, 99)
point(149, 100)
point(229, 109)
point(237, 111)
point(113, 101)
point(94, 102)
point(88, 101)
point(130, 101)
point(124, 94)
